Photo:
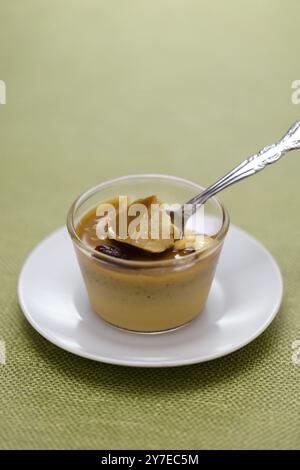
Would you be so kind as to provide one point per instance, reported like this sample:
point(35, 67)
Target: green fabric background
point(98, 89)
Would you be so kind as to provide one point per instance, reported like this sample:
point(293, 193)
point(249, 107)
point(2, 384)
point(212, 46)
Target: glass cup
point(148, 296)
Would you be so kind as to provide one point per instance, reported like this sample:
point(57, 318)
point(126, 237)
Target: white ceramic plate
point(244, 299)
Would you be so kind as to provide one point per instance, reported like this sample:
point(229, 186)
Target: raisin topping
point(114, 251)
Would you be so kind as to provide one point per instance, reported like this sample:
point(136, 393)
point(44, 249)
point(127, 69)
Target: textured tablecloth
point(98, 89)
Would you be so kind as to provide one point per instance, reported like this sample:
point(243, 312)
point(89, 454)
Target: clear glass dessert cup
point(148, 296)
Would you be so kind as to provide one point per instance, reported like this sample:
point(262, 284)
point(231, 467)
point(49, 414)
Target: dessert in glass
point(146, 285)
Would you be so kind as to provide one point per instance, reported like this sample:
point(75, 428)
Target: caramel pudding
point(142, 284)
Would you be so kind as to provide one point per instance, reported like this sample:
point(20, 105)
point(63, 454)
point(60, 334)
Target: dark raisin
point(114, 251)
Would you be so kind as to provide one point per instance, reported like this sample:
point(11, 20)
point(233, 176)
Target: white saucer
point(244, 299)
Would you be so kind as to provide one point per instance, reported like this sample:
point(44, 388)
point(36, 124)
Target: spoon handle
point(254, 164)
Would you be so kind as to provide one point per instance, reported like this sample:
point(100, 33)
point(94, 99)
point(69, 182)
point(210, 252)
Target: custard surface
point(86, 231)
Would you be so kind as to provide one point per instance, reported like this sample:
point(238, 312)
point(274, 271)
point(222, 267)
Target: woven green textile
point(98, 89)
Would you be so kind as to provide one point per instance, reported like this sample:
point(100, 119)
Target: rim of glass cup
point(218, 237)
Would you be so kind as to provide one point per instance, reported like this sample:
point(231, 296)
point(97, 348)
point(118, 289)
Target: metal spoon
point(250, 166)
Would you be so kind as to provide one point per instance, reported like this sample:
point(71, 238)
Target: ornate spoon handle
point(253, 164)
